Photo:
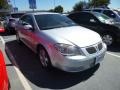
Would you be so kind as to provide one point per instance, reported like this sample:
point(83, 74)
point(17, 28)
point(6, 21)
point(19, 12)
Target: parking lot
point(25, 71)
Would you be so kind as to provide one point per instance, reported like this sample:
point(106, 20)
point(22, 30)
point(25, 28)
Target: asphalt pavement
point(25, 71)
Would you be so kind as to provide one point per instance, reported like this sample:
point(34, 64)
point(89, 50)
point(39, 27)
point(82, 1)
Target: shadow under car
point(30, 66)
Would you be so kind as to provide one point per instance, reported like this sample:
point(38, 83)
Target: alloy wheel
point(43, 56)
point(108, 39)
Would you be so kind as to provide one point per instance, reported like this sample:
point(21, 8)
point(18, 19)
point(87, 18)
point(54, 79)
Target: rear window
point(18, 15)
point(97, 10)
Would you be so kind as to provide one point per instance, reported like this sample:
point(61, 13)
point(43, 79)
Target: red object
point(2, 29)
point(4, 82)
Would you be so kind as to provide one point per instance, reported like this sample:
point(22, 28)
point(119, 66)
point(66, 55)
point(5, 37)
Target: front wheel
point(108, 39)
point(44, 58)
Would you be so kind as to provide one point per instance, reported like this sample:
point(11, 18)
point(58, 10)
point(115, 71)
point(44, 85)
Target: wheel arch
point(47, 51)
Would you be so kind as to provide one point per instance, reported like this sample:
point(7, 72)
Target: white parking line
point(1, 38)
point(22, 79)
point(9, 39)
point(113, 55)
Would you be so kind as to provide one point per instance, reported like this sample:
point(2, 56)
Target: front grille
point(91, 50)
point(94, 49)
point(100, 46)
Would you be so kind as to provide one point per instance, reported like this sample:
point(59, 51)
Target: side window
point(96, 10)
point(22, 21)
point(86, 17)
point(109, 13)
point(29, 20)
point(82, 17)
point(73, 16)
point(79, 17)
point(26, 20)
point(89, 18)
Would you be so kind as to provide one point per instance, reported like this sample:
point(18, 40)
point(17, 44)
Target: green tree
point(96, 3)
point(58, 9)
point(80, 6)
point(4, 4)
point(51, 10)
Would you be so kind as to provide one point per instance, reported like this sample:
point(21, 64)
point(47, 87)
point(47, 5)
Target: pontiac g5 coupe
point(59, 42)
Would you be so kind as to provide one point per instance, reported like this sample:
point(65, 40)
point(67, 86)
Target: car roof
point(80, 12)
point(40, 13)
point(97, 9)
point(93, 13)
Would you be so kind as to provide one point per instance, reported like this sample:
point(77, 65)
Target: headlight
point(67, 50)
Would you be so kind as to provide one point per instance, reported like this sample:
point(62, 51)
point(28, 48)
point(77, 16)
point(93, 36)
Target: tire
point(108, 39)
point(44, 58)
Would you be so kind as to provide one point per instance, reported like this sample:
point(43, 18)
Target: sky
point(49, 4)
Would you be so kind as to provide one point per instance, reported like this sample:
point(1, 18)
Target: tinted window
point(97, 10)
point(82, 17)
point(17, 15)
point(109, 13)
point(74, 16)
point(85, 17)
point(49, 21)
point(23, 20)
point(26, 20)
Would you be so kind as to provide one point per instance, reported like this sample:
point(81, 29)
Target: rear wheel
point(108, 39)
point(44, 58)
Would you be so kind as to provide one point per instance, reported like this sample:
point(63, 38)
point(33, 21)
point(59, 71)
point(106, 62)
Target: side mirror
point(92, 20)
point(28, 27)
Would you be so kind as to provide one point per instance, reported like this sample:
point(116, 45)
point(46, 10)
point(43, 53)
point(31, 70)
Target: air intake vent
point(91, 50)
point(100, 46)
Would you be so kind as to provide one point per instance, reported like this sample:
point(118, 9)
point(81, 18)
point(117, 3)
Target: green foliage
point(96, 3)
point(79, 6)
point(51, 10)
point(4, 4)
point(58, 9)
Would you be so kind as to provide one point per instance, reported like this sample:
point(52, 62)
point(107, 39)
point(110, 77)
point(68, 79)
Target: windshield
point(49, 21)
point(101, 17)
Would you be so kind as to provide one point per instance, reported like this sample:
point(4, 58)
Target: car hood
point(76, 35)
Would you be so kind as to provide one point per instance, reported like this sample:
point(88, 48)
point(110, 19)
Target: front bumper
point(79, 63)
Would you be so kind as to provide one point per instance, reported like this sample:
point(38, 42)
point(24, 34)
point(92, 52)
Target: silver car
point(60, 42)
